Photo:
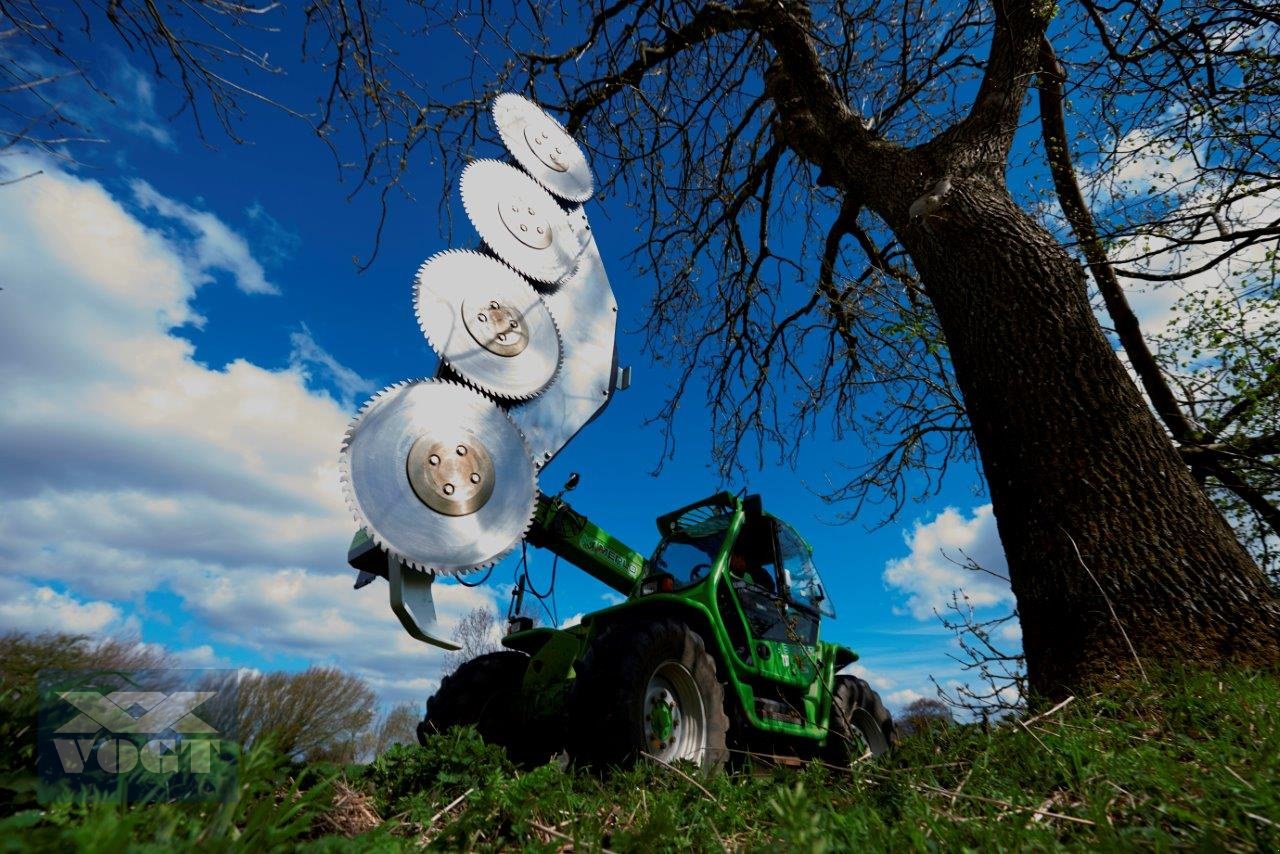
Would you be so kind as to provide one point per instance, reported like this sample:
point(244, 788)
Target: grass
point(1190, 762)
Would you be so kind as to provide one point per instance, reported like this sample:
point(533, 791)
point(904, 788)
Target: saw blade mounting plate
point(541, 145)
point(439, 476)
point(520, 221)
point(487, 323)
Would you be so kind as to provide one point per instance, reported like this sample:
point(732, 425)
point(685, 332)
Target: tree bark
point(1075, 460)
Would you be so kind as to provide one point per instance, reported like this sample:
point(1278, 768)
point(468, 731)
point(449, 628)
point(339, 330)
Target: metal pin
point(448, 489)
point(475, 477)
point(434, 459)
point(462, 450)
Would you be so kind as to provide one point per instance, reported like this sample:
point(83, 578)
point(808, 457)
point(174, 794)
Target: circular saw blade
point(439, 476)
point(519, 220)
point(541, 145)
point(487, 323)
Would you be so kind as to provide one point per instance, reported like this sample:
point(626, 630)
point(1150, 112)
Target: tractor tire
point(648, 689)
point(859, 723)
point(486, 692)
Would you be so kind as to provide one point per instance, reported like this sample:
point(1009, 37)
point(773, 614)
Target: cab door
point(766, 553)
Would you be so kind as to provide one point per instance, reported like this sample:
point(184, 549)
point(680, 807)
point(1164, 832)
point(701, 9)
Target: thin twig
point(939, 790)
point(1040, 813)
point(1033, 735)
point(551, 831)
point(1056, 708)
point(1107, 599)
point(7, 182)
point(1233, 773)
point(452, 804)
point(956, 793)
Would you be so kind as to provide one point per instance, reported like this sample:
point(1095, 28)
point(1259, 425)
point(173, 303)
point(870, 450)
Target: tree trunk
point(1115, 554)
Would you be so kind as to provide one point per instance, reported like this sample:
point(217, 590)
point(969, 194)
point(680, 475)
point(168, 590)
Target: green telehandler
point(715, 651)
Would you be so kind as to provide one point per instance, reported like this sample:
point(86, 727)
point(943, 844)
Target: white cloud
point(905, 697)
point(1143, 163)
point(935, 568)
point(271, 240)
point(307, 356)
point(317, 616)
point(130, 467)
point(215, 245)
point(202, 656)
point(38, 608)
point(876, 680)
point(1153, 303)
point(1011, 631)
point(135, 102)
point(120, 98)
point(572, 621)
point(887, 687)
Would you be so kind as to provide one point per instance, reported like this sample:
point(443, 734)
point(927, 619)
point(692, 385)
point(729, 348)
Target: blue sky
point(183, 336)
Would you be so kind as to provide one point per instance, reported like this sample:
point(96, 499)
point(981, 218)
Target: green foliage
point(1188, 761)
point(453, 763)
point(273, 806)
point(1222, 350)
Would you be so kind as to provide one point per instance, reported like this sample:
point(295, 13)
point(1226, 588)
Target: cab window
point(804, 585)
point(688, 553)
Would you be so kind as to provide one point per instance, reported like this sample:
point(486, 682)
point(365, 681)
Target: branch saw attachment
point(441, 474)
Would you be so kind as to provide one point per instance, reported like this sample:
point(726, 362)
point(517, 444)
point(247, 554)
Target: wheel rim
point(675, 719)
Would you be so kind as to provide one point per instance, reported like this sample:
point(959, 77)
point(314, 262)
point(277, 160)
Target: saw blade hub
point(451, 475)
point(525, 222)
point(487, 323)
point(496, 325)
point(549, 145)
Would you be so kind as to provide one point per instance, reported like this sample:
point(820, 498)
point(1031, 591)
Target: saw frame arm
point(557, 527)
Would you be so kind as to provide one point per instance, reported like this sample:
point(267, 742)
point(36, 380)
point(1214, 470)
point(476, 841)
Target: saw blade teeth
point(344, 454)
point(542, 146)
point(369, 405)
point(389, 485)
point(488, 325)
point(520, 221)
